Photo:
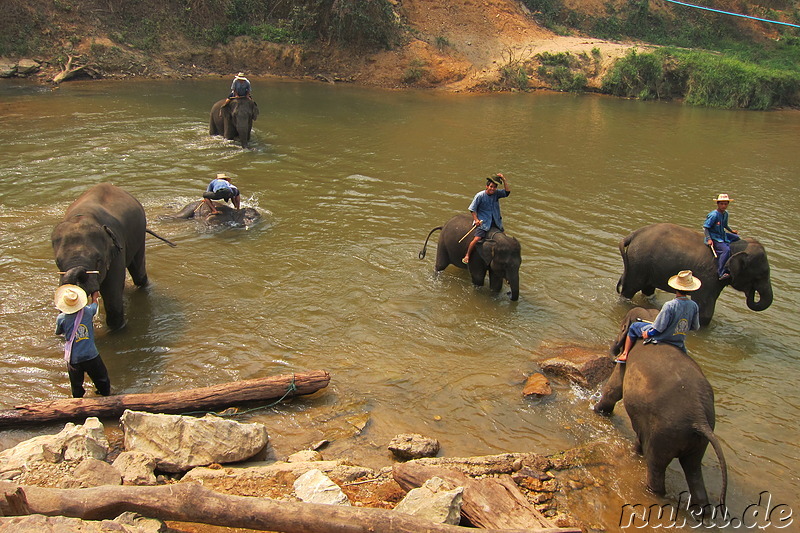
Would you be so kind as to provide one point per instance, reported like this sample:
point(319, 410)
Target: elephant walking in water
point(498, 254)
point(198, 210)
point(101, 236)
point(650, 255)
point(671, 407)
point(233, 119)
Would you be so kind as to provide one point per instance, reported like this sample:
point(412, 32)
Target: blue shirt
point(83, 348)
point(676, 318)
point(217, 184)
point(487, 208)
point(715, 225)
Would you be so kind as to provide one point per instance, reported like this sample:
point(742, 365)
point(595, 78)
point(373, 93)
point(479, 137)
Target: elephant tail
point(425, 247)
point(708, 433)
point(156, 235)
point(623, 251)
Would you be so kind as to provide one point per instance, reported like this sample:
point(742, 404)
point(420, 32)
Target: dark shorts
point(221, 194)
point(480, 233)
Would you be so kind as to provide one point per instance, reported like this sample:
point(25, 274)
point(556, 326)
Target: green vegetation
point(144, 24)
point(564, 71)
point(704, 79)
point(414, 72)
point(737, 67)
point(513, 73)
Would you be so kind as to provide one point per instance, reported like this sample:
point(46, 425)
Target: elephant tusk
point(88, 272)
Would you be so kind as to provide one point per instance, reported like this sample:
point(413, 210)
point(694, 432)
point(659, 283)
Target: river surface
point(349, 182)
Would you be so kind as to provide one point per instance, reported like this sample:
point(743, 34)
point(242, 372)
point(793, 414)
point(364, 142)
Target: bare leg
point(471, 247)
point(236, 200)
point(628, 345)
point(211, 206)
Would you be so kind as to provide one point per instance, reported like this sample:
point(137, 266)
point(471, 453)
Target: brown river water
point(349, 182)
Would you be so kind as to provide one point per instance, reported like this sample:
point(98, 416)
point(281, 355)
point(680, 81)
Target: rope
point(235, 412)
point(732, 13)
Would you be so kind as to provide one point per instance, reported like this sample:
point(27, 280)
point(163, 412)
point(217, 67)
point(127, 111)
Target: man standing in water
point(717, 238)
point(485, 209)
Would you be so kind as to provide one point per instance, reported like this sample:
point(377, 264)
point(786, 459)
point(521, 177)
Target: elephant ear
point(255, 110)
point(737, 263)
point(114, 239)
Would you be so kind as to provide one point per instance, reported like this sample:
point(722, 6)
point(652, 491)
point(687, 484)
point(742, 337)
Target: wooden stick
point(204, 399)
point(88, 272)
point(713, 251)
point(467, 233)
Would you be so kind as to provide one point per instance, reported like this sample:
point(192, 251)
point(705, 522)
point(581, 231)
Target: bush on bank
point(745, 64)
point(703, 79)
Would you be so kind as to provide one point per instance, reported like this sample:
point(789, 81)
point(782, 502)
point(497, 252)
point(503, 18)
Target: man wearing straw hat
point(485, 209)
point(676, 318)
point(80, 352)
point(717, 238)
point(221, 188)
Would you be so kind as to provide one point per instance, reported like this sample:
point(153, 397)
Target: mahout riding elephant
point(198, 210)
point(497, 253)
point(233, 119)
point(102, 235)
point(650, 255)
point(671, 407)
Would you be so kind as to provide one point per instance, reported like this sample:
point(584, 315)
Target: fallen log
point(491, 502)
point(191, 502)
point(204, 399)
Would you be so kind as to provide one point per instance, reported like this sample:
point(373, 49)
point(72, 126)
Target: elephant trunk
point(89, 281)
point(764, 292)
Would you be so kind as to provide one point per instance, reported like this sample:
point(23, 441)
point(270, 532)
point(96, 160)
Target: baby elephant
point(246, 216)
point(671, 406)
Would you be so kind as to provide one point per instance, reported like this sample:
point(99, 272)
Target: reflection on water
point(350, 182)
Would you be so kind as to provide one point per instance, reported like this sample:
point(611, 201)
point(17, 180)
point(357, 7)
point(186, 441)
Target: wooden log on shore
point(490, 503)
point(193, 503)
point(204, 399)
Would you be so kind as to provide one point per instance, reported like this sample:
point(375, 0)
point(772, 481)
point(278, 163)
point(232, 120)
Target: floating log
point(193, 503)
point(204, 399)
point(489, 503)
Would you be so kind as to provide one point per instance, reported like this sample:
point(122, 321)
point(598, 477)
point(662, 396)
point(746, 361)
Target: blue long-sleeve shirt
point(487, 208)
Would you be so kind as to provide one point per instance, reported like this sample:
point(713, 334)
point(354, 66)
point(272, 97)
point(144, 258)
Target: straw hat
point(496, 180)
point(223, 176)
point(684, 281)
point(70, 299)
point(722, 198)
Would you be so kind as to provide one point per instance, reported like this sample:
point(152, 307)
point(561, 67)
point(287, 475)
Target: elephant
point(650, 255)
point(198, 210)
point(233, 119)
point(671, 407)
point(497, 253)
point(102, 234)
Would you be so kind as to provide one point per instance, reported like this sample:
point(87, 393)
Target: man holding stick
point(717, 238)
point(485, 209)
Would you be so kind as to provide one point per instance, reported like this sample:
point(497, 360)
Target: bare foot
point(623, 357)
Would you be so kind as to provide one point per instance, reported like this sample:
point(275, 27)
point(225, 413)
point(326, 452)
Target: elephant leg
point(478, 273)
point(612, 391)
point(495, 281)
point(657, 462)
point(692, 469)
point(649, 290)
point(137, 268)
point(442, 258)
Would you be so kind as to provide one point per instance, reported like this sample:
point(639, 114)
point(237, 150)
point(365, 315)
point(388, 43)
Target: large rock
point(73, 443)
point(124, 523)
point(26, 67)
point(7, 68)
point(413, 446)
point(435, 500)
point(93, 473)
point(179, 443)
point(316, 487)
point(585, 366)
point(537, 386)
point(137, 468)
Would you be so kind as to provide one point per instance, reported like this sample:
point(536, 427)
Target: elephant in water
point(650, 255)
point(233, 119)
point(497, 253)
point(101, 236)
point(671, 407)
point(246, 216)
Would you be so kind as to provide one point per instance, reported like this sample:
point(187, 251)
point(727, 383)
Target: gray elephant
point(671, 407)
point(233, 118)
point(650, 255)
point(246, 216)
point(497, 253)
point(102, 235)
